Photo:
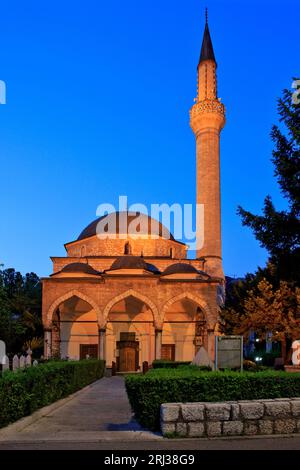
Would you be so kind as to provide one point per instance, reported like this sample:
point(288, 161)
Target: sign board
point(229, 352)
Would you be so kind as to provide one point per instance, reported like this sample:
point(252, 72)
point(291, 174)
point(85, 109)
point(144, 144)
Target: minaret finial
point(206, 15)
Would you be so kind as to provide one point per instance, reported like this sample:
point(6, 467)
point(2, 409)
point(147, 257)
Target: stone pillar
point(47, 343)
point(101, 343)
point(211, 344)
point(158, 340)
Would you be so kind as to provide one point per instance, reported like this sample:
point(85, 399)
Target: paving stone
point(169, 412)
point(192, 412)
point(217, 411)
point(265, 426)
point(213, 428)
point(235, 411)
point(252, 410)
point(278, 409)
point(181, 429)
point(285, 426)
point(196, 429)
point(295, 405)
point(250, 428)
point(168, 428)
point(232, 428)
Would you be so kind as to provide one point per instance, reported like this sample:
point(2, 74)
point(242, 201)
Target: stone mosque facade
point(130, 299)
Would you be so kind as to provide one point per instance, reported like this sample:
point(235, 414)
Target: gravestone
point(5, 363)
point(28, 360)
point(22, 362)
point(35, 363)
point(15, 362)
point(2, 350)
point(202, 358)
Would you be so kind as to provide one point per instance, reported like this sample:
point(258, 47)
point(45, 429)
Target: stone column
point(47, 343)
point(101, 343)
point(211, 344)
point(158, 340)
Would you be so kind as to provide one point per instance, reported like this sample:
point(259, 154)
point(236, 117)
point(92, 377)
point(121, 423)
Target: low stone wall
point(249, 418)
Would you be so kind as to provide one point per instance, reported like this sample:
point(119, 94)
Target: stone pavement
point(99, 417)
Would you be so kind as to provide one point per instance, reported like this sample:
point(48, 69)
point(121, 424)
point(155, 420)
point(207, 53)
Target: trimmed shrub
point(146, 393)
point(26, 390)
point(165, 364)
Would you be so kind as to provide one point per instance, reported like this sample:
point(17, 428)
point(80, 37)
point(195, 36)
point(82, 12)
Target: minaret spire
point(207, 119)
point(207, 50)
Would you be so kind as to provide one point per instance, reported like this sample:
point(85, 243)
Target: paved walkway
point(99, 417)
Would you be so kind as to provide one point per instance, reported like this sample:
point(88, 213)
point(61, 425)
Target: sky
point(97, 105)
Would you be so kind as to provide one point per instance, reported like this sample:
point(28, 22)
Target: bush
point(26, 390)
point(165, 364)
point(146, 393)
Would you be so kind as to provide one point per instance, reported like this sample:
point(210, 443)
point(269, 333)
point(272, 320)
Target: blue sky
point(98, 96)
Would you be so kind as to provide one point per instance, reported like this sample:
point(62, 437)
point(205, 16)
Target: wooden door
point(90, 350)
point(128, 356)
point(168, 352)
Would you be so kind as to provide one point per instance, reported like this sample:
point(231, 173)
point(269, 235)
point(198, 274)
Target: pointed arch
point(69, 295)
point(135, 294)
point(187, 295)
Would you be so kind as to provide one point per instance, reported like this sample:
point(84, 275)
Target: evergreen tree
point(279, 231)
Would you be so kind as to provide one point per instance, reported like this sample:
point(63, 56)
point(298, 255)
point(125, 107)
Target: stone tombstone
point(15, 362)
point(296, 353)
point(202, 358)
point(5, 363)
point(2, 350)
point(35, 363)
point(229, 352)
point(28, 360)
point(22, 362)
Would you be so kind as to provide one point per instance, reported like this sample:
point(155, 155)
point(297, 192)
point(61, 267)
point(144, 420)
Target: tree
point(20, 308)
point(270, 310)
point(279, 231)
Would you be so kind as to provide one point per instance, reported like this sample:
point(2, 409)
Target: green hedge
point(147, 392)
point(26, 390)
point(164, 364)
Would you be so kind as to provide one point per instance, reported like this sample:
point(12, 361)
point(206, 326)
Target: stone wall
point(257, 417)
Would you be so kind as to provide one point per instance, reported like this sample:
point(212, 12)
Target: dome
point(180, 268)
point(79, 268)
point(111, 224)
point(129, 262)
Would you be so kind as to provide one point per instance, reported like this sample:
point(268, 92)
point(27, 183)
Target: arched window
point(127, 249)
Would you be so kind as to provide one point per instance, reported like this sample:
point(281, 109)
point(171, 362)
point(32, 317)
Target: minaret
point(207, 119)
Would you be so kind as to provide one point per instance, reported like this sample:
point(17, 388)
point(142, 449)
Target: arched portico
point(130, 330)
point(72, 328)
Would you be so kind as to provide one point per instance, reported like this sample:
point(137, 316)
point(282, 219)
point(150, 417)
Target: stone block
point(196, 429)
point(167, 428)
point(192, 412)
point(250, 428)
point(298, 425)
point(217, 411)
point(181, 429)
point(278, 409)
point(213, 428)
point(265, 426)
point(285, 426)
point(233, 428)
point(235, 411)
point(169, 412)
point(252, 410)
point(295, 405)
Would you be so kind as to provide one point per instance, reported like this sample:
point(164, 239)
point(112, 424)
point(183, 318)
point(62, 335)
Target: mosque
point(129, 298)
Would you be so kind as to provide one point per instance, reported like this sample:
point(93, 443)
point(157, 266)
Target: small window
point(127, 249)
point(82, 251)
